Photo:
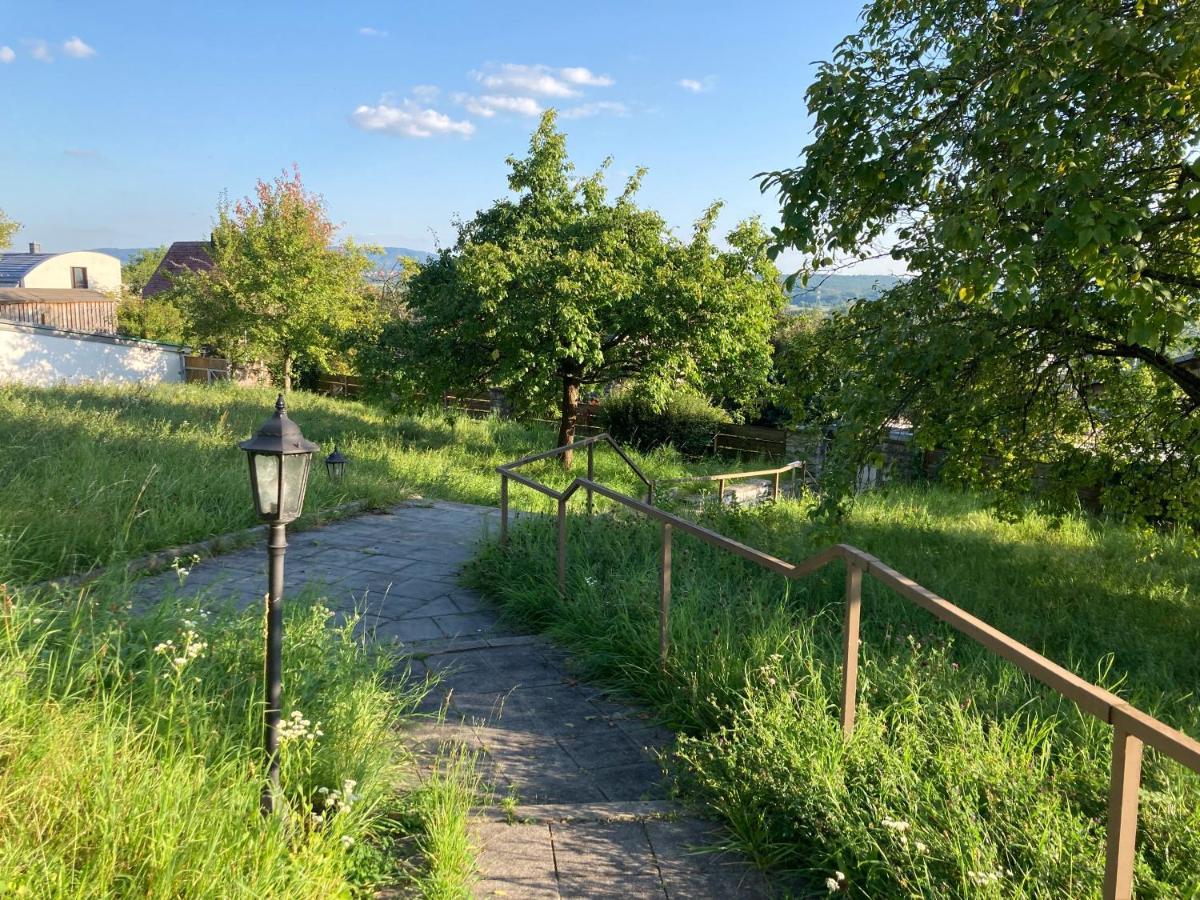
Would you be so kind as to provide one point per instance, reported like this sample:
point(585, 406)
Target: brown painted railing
point(507, 472)
point(792, 467)
point(1132, 728)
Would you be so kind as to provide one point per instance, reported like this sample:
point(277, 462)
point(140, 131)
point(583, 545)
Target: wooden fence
point(205, 369)
point(750, 440)
point(339, 385)
point(85, 316)
point(495, 404)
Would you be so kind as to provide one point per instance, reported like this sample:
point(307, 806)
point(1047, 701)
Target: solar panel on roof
point(15, 266)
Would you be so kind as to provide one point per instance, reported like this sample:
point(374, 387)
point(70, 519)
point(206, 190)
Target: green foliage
point(1035, 165)
point(94, 475)
point(154, 318)
point(139, 269)
point(955, 753)
point(562, 287)
point(279, 291)
point(7, 229)
point(132, 766)
point(683, 419)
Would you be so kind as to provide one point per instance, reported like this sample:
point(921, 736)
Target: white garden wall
point(44, 356)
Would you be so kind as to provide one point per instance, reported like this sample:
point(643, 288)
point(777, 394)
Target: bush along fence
point(1132, 729)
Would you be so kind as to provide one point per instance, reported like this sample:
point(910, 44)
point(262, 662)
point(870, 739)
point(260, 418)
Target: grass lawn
point(92, 475)
point(131, 757)
point(963, 778)
point(130, 760)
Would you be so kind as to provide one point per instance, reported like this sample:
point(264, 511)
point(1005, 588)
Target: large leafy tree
point(280, 290)
point(1034, 165)
point(7, 229)
point(562, 288)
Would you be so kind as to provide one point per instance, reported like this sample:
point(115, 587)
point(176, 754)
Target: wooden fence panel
point(86, 316)
point(339, 385)
point(205, 369)
point(754, 440)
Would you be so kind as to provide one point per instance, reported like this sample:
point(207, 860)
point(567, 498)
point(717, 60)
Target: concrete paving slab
point(515, 861)
point(605, 860)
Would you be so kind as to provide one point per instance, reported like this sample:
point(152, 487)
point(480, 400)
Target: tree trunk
point(287, 374)
point(570, 415)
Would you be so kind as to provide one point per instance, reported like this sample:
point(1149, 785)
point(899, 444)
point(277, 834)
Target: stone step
point(578, 813)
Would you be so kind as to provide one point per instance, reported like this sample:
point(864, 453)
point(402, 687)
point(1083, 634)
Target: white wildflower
point(190, 647)
point(831, 885)
point(983, 879)
point(347, 841)
point(296, 727)
point(896, 825)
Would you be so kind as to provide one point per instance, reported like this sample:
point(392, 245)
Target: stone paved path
point(591, 817)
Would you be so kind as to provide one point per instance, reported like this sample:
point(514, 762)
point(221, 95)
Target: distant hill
point(383, 261)
point(124, 254)
point(827, 291)
point(390, 255)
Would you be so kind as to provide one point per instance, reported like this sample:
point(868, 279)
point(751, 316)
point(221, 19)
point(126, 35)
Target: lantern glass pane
point(295, 479)
point(266, 484)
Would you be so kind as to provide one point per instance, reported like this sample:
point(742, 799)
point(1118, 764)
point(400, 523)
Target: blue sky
point(124, 121)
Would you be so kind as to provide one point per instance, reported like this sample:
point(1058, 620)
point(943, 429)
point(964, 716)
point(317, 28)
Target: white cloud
point(408, 119)
point(426, 92)
point(541, 81)
point(39, 50)
point(7, 54)
point(488, 105)
point(77, 48)
point(368, 31)
point(601, 107)
point(697, 86)
point(580, 75)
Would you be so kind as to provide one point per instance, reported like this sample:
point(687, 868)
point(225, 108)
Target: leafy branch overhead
point(1035, 167)
point(562, 288)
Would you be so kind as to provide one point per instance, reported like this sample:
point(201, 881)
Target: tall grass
point(963, 778)
point(131, 760)
point(92, 475)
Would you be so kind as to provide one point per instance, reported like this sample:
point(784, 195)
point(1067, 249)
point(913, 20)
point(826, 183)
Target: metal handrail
point(1132, 728)
point(507, 471)
point(793, 467)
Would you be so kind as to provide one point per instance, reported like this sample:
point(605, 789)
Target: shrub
point(685, 419)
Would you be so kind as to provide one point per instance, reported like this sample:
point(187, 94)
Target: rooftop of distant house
point(192, 256)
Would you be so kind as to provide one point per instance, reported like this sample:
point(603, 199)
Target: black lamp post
point(279, 458)
point(335, 464)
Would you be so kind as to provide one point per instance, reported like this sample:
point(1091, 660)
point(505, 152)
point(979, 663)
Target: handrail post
point(591, 470)
point(562, 548)
point(850, 646)
point(775, 490)
point(1124, 782)
point(720, 491)
point(503, 509)
point(664, 606)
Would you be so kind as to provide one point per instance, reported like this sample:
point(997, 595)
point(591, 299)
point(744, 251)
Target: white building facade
point(83, 270)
